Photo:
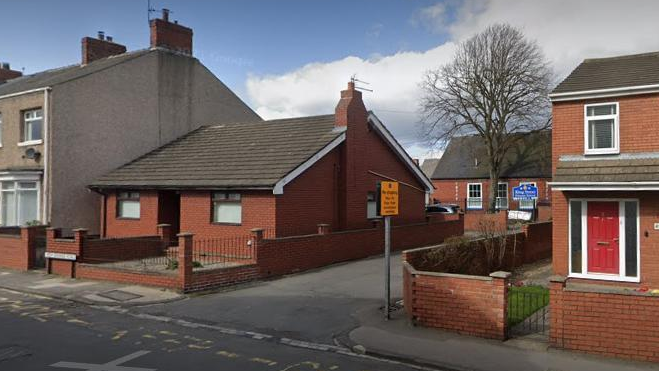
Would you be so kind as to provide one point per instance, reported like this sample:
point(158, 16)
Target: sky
point(292, 57)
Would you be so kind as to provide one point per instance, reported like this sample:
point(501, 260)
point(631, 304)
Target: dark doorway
point(169, 210)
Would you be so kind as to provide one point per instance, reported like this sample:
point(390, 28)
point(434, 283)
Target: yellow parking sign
point(388, 198)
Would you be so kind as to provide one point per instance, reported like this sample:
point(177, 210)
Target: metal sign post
point(387, 207)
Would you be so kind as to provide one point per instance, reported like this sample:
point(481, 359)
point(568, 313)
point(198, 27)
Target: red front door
point(603, 238)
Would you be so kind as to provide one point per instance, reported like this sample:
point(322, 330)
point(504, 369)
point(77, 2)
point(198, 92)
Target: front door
point(603, 238)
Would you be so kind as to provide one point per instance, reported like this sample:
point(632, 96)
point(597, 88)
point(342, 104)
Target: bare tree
point(497, 84)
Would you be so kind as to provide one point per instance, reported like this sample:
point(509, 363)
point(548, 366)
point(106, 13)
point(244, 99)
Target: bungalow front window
point(128, 205)
point(227, 208)
point(604, 239)
point(474, 196)
point(20, 202)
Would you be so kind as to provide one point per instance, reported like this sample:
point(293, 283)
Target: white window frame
point(120, 200)
point(533, 202)
point(616, 129)
point(621, 276)
point(227, 199)
point(24, 123)
point(372, 206)
point(497, 197)
point(19, 179)
point(480, 199)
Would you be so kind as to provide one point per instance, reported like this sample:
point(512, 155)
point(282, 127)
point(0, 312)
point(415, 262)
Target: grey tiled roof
point(609, 170)
point(248, 155)
point(59, 75)
point(529, 158)
point(615, 72)
point(429, 165)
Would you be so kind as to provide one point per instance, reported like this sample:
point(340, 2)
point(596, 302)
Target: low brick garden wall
point(473, 220)
point(604, 320)
point(18, 246)
point(450, 286)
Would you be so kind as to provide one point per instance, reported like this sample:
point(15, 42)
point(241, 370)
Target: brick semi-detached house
point(62, 128)
point(462, 177)
point(285, 176)
point(605, 198)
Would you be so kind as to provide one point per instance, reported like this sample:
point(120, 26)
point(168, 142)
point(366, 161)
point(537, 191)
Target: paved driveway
point(314, 306)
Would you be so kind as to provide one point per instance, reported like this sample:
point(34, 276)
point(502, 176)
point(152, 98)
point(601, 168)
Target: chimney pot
point(109, 38)
point(165, 14)
point(101, 35)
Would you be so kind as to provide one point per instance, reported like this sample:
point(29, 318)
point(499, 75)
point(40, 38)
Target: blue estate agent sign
point(525, 192)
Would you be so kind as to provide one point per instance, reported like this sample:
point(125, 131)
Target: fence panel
point(210, 252)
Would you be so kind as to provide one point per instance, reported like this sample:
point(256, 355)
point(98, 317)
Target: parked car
point(443, 209)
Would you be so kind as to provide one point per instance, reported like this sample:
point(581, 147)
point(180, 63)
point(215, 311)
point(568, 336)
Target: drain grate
point(12, 352)
point(119, 295)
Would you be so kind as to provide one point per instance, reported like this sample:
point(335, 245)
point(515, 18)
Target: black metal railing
point(222, 251)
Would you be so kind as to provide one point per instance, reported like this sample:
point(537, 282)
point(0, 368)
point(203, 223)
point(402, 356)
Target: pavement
point(84, 291)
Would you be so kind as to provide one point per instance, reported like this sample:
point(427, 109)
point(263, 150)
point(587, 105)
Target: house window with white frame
point(602, 128)
point(502, 196)
point(604, 239)
point(474, 196)
point(32, 126)
point(527, 204)
point(128, 205)
point(20, 202)
point(227, 208)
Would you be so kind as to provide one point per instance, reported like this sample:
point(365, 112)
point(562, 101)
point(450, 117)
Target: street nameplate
point(388, 198)
point(60, 256)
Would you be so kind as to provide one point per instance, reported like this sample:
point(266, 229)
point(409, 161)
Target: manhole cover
point(11, 352)
point(119, 295)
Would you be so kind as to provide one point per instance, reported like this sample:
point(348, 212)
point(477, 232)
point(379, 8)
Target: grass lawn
point(524, 301)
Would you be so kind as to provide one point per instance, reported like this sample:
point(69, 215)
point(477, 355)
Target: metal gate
point(39, 252)
point(528, 311)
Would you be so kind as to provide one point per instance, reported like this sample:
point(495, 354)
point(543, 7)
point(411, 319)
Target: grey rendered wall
point(107, 119)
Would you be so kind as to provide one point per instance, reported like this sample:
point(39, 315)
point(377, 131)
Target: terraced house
point(63, 128)
point(605, 197)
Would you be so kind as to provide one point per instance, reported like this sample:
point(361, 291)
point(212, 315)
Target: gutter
point(604, 93)
point(25, 92)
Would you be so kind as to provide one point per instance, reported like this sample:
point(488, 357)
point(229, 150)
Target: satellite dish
point(32, 154)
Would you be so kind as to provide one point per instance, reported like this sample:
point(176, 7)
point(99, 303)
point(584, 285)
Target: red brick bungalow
point(461, 176)
point(286, 176)
point(605, 197)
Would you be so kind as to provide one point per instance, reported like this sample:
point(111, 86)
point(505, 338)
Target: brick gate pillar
point(185, 241)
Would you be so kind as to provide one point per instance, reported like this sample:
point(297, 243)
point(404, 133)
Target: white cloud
point(567, 30)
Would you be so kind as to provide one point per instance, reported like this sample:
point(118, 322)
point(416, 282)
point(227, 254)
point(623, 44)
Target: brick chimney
point(6, 73)
point(168, 35)
point(351, 109)
point(100, 47)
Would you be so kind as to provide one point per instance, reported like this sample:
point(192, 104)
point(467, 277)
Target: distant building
point(462, 176)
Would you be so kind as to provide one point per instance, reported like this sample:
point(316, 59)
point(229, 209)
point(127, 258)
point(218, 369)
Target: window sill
point(30, 143)
point(609, 151)
point(604, 277)
point(227, 224)
point(126, 218)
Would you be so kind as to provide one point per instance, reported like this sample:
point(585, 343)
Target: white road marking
point(58, 282)
point(110, 366)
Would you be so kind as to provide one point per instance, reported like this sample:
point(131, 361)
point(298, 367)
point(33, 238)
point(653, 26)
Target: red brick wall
point(204, 280)
point(116, 249)
point(311, 199)
point(258, 208)
point(445, 190)
point(146, 225)
point(171, 36)
point(91, 271)
point(469, 305)
point(619, 325)
point(649, 214)
point(473, 220)
point(17, 251)
point(537, 241)
point(292, 254)
point(93, 49)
